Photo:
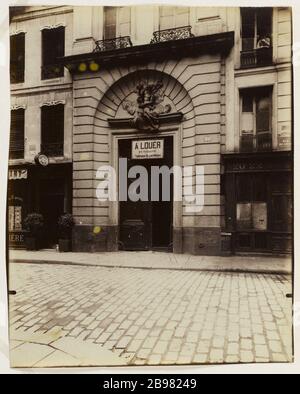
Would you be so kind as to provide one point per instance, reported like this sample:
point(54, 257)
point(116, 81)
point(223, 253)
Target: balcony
point(256, 53)
point(262, 142)
point(177, 33)
point(52, 71)
point(257, 58)
point(112, 44)
point(53, 149)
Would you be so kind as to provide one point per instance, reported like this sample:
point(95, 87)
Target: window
point(53, 130)
point(17, 58)
point(116, 22)
point(256, 34)
point(53, 47)
point(16, 144)
point(256, 119)
point(172, 17)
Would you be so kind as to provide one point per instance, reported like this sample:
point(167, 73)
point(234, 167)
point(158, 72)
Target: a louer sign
point(147, 149)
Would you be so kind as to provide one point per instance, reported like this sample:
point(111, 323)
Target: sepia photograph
point(150, 217)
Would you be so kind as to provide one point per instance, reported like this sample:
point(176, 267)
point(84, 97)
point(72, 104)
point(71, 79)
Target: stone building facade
point(224, 81)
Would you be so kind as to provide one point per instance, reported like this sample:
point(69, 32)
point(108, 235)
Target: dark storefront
point(46, 190)
point(258, 190)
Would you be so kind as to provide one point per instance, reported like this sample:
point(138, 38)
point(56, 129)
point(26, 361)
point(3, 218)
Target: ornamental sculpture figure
point(148, 106)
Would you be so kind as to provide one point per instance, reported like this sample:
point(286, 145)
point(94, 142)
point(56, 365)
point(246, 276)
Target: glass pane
point(243, 216)
point(260, 216)
point(263, 109)
point(11, 218)
point(244, 188)
point(264, 23)
point(18, 218)
point(247, 102)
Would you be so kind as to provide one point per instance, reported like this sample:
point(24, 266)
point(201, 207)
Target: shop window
point(53, 48)
point(252, 208)
point(15, 218)
point(117, 22)
point(17, 58)
point(172, 17)
point(16, 143)
point(256, 36)
point(256, 119)
point(52, 130)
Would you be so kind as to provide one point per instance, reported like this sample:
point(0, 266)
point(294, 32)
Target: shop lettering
point(17, 238)
point(17, 174)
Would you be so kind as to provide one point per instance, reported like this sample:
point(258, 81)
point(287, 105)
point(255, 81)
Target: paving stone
point(275, 346)
point(200, 358)
point(216, 356)
point(186, 316)
point(261, 351)
point(246, 356)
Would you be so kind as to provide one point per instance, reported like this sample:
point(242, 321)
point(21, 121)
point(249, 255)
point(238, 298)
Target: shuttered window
point(16, 144)
point(53, 48)
point(172, 17)
point(52, 119)
point(17, 58)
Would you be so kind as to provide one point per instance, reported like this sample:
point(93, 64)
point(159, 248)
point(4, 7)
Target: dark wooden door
point(146, 225)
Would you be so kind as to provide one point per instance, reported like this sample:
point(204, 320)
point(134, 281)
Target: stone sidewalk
point(75, 315)
point(159, 260)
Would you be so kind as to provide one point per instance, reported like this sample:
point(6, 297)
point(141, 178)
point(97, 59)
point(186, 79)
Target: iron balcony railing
point(177, 33)
point(257, 52)
point(262, 142)
point(53, 149)
point(113, 44)
point(257, 57)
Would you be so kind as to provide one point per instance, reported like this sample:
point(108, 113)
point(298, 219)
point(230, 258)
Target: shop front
point(40, 189)
point(258, 191)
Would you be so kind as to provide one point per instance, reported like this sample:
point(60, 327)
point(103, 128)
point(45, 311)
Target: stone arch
point(175, 94)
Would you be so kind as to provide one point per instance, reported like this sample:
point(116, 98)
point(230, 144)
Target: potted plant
point(65, 225)
point(33, 223)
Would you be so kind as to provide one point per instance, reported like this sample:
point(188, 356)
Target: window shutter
point(110, 22)
point(181, 16)
point(167, 15)
point(53, 130)
point(124, 14)
point(263, 109)
point(16, 145)
point(17, 58)
point(248, 28)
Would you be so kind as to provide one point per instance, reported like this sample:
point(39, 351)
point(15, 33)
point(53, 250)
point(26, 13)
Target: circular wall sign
point(42, 160)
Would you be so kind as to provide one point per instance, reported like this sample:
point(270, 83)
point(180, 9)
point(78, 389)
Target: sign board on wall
point(147, 149)
point(15, 174)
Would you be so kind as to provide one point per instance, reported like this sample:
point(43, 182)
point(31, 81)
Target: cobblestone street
point(149, 317)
